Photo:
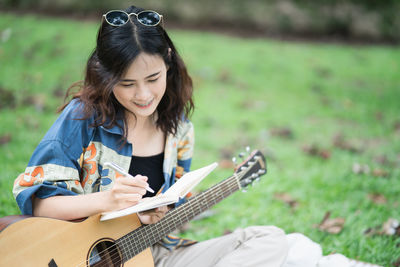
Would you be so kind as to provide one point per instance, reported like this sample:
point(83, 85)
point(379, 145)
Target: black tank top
point(152, 167)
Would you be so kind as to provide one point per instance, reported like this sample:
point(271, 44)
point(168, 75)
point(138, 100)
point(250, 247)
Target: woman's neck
point(147, 139)
point(140, 123)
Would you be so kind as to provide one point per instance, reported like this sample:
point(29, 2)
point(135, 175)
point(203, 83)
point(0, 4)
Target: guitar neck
point(147, 235)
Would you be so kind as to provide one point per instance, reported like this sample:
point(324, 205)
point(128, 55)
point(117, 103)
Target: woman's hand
point(153, 215)
point(126, 192)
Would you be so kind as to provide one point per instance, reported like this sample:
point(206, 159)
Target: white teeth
point(143, 105)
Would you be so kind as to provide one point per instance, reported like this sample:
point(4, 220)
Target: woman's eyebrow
point(150, 76)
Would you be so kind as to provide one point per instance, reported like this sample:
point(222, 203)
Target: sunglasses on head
point(120, 18)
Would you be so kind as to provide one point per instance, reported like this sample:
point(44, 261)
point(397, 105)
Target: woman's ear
point(169, 57)
point(169, 53)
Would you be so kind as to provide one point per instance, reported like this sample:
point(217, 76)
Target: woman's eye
point(153, 80)
point(127, 84)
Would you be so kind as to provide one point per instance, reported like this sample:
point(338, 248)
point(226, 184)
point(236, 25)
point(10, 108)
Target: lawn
point(325, 115)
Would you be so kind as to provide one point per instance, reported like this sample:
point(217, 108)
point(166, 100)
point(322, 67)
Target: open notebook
point(177, 191)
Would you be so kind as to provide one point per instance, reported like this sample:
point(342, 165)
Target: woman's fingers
point(137, 184)
point(127, 191)
point(153, 216)
point(138, 180)
point(163, 209)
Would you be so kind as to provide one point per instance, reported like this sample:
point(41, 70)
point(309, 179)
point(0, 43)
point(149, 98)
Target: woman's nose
point(142, 92)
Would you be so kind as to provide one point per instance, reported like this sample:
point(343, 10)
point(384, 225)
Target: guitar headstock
point(251, 169)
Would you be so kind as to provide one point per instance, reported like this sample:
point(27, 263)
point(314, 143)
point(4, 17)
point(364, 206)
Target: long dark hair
point(116, 49)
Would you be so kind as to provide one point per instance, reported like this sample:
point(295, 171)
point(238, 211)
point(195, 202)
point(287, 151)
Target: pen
point(117, 168)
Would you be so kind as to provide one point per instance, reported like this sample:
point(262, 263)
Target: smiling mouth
point(145, 105)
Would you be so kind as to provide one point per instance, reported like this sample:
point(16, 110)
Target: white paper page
point(189, 180)
point(144, 204)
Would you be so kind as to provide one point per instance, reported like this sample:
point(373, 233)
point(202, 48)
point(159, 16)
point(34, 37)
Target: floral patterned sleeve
point(185, 152)
point(54, 167)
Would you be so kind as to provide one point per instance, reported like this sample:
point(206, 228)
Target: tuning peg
point(256, 178)
point(242, 168)
point(246, 153)
point(234, 160)
point(261, 172)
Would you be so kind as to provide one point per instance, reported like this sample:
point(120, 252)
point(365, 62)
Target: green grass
point(244, 89)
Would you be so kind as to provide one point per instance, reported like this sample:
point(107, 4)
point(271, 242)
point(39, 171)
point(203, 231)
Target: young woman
point(132, 109)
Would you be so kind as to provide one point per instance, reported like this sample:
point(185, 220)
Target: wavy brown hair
point(116, 49)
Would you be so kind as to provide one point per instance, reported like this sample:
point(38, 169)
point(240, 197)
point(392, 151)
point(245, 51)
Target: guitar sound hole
point(104, 253)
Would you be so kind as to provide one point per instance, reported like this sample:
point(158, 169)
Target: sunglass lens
point(117, 18)
point(148, 18)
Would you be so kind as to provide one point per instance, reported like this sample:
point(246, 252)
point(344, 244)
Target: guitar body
point(37, 241)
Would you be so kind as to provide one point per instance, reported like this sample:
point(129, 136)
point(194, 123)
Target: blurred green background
point(323, 107)
point(366, 20)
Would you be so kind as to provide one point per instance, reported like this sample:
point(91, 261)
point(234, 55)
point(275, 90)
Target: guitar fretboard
point(147, 235)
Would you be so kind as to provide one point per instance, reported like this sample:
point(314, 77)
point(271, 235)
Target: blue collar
point(114, 130)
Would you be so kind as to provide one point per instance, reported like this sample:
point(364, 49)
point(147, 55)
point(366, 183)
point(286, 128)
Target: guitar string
point(116, 254)
point(218, 198)
point(175, 220)
point(188, 212)
point(128, 247)
point(197, 203)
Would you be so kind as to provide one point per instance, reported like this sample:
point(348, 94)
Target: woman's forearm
point(125, 192)
point(70, 207)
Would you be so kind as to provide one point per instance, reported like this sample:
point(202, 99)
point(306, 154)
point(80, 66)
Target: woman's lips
point(145, 105)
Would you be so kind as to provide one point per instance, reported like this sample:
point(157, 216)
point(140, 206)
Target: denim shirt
point(70, 158)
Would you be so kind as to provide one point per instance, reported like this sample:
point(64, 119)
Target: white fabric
point(334, 260)
point(303, 252)
point(255, 246)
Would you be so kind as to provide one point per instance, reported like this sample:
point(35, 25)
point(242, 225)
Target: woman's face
point(143, 85)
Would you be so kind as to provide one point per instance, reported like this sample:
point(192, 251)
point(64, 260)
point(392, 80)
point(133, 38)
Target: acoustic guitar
point(38, 241)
